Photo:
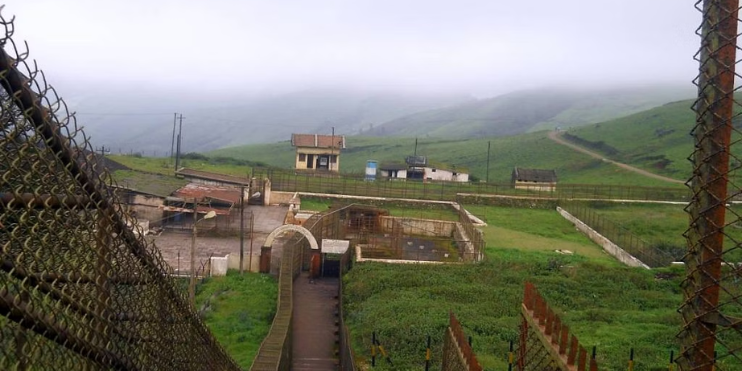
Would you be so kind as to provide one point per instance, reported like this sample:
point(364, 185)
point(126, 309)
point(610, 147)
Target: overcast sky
point(475, 45)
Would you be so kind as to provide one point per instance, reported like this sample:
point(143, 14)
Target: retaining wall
point(418, 227)
point(610, 247)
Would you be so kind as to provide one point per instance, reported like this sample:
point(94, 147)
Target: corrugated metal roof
point(201, 210)
point(534, 175)
point(317, 141)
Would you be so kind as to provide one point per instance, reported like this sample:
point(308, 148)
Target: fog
point(481, 47)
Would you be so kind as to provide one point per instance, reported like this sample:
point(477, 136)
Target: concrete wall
point(277, 198)
point(147, 207)
point(447, 175)
point(464, 242)
point(608, 245)
point(233, 261)
point(421, 227)
point(534, 186)
point(401, 174)
point(218, 266)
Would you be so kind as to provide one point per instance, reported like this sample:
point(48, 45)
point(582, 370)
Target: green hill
point(529, 111)
point(533, 150)
point(657, 140)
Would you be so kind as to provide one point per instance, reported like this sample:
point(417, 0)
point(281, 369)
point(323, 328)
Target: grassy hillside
point(657, 140)
point(532, 150)
point(531, 110)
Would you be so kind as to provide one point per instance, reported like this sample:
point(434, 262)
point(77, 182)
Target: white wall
point(447, 175)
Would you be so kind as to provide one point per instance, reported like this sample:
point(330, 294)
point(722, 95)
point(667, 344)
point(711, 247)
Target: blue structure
point(371, 170)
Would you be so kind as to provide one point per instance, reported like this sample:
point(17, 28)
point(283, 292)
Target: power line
point(119, 114)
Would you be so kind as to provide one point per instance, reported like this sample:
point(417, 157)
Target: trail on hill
point(554, 135)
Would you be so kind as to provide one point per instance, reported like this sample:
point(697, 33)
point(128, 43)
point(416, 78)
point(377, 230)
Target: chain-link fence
point(79, 288)
point(448, 191)
point(622, 237)
point(711, 337)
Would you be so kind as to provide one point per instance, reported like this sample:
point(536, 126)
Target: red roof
point(317, 141)
point(204, 192)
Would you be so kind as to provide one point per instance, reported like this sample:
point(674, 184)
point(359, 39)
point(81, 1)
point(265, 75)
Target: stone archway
point(265, 251)
point(291, 228)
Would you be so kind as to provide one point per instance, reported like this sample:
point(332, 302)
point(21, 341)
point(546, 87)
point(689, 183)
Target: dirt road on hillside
point(557, 138)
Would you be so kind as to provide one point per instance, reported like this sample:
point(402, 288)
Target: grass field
point(157, 184)
point(606, 304)
point(613, 308)
point(239, 311)
point(163, 165)
point(535, 230)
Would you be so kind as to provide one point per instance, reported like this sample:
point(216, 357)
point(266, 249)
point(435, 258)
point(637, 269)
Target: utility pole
point(180, 137)
point(488, 161)
point(177, 154)
point(415, 147)
point(192, 285)
point(252, 224)
point(332, 148)
point(172, 145)
point(242, 230)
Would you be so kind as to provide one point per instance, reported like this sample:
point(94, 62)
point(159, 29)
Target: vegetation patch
point(614, 308)
point(239, 310)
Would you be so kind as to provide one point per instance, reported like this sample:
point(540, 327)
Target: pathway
point(554, 135)
point(315, 324)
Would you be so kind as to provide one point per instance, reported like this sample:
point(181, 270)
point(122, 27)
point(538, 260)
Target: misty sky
point(483, 46)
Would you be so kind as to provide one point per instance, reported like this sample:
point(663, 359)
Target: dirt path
point(557, 138)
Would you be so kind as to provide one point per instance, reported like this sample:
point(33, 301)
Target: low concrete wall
point(219, 266)
point(466, 247)
point(420, 227)
point(233, 261)
point(277, 198)
point(608, 245)
point(361, 259)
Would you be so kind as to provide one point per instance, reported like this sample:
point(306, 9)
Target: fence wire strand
point(79, 288)
point(711, 336)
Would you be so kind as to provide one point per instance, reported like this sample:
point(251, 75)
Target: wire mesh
point(79, 287)
point(712, 310)
point(533, 354)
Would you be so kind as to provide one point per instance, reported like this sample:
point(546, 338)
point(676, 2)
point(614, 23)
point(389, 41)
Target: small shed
point(534, 179)
point(393, 170)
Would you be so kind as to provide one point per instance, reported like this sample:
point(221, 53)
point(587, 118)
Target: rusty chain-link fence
point(711, 337)
point(80, 289)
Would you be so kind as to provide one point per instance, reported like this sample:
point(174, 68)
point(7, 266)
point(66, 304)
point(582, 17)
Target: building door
point(323, 162)
point(310, 161)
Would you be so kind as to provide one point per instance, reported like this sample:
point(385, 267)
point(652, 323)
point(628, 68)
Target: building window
point(302, 157)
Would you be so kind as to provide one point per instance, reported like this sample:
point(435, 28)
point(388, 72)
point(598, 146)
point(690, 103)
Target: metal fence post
point(712, 134)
